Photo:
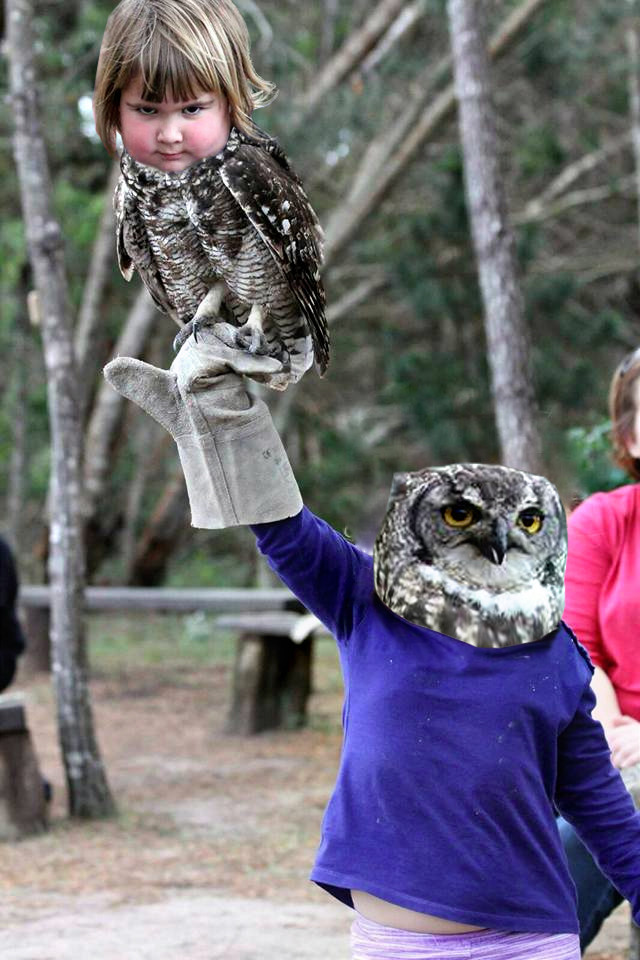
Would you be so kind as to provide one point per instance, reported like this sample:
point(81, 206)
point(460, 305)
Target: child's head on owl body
point(174, 52)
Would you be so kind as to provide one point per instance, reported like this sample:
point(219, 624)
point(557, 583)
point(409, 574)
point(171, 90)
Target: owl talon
point(252, 340)
point(193, 327)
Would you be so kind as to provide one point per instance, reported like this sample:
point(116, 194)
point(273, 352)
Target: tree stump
point(272, 674)
point(23, 808)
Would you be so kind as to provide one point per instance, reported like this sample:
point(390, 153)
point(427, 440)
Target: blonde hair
point(179, 46)
point(623, 406)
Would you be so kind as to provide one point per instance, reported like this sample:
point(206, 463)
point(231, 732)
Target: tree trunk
point(150, 444)
point(109, 405)
point(633, 51)
point(88, 333)
point(89, 794)
point(507, 338)
point(160, 537)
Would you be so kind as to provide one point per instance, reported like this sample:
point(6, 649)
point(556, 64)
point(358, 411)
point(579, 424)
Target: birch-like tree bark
point(507, 338)
point(89, 794)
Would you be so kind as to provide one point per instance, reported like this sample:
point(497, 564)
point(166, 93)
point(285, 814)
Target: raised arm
point(331, 576)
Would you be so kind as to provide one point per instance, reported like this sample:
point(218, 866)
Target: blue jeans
point(597, 897)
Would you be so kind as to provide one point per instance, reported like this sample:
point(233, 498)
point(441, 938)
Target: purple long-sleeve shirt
point(454, 757)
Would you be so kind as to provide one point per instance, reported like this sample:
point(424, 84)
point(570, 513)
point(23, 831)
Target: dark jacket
point(11, 637)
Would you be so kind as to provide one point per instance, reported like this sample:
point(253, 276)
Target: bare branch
point(389, 155)
point(535, 211)
point(251, 8)
point(398, 28)
point(350, 54)
point(89, 794)
point(570, 174)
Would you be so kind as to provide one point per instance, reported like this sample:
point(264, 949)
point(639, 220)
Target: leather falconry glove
point(234, 463)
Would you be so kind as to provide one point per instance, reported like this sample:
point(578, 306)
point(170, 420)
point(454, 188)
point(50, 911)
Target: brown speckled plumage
point(241, 216)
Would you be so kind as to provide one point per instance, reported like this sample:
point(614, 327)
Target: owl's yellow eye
point(530, 520)
point(459, 515)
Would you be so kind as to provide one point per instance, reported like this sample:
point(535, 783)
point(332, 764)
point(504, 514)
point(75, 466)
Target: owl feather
point(241, 218)
point(474, 551)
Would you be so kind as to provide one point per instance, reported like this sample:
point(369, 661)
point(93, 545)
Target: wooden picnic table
point(272, 670)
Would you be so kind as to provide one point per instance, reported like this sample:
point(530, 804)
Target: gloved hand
point(235, 466)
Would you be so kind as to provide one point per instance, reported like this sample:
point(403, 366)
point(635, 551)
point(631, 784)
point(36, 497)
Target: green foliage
point(540, 151)
point(590, 451)
point(409, 381)
point(446, 400)
point(118, 643)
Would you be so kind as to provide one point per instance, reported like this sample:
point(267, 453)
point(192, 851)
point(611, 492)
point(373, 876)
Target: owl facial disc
point(474, 551)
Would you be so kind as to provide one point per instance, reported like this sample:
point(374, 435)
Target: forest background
point(408, 384)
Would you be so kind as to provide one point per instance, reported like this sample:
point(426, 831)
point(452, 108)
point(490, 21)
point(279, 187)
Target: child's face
point(172, 134)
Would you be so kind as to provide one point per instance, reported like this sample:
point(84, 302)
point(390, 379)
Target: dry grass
point(196, 808)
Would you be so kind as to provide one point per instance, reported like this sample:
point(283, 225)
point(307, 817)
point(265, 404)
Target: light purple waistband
point(373, 941)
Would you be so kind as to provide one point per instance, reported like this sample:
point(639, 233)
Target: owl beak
point(495, 546)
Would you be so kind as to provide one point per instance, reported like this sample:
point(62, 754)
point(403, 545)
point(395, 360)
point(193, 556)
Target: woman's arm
point(606, 709)
point(592, 797)
point(622, 732)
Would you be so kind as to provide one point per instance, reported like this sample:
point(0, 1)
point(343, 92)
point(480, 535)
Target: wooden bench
point(272, 671)
point(34, 602)
point(23, 808)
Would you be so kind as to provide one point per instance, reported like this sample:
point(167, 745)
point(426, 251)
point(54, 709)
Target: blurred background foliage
point(408, 384)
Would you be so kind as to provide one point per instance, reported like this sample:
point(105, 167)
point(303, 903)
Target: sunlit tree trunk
point(507, 337)
point(89, 794)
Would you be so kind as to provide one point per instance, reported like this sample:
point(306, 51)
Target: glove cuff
point(237, 472)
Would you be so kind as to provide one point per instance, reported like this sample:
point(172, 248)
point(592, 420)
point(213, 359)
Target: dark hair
point(623, 408)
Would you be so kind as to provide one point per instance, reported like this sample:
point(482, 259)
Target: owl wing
point(133, 249)
point(259, 178)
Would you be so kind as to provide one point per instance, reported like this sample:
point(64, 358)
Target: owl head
point(475, 551)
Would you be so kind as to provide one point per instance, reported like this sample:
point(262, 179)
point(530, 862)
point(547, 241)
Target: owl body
point(474, 551)
point(239, 221)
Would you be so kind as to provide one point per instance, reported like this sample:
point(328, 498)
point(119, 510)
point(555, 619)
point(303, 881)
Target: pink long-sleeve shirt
point(603, 587)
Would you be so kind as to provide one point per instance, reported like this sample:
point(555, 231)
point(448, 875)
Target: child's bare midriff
point(391, 915)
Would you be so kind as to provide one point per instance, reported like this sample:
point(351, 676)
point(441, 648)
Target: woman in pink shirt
point(603, 608)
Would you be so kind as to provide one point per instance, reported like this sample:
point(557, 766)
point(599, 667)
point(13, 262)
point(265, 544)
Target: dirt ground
point(210, 852)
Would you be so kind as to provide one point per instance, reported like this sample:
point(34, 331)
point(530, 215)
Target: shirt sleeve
point(588, 564)
point(329, 575)
point(590, 794)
